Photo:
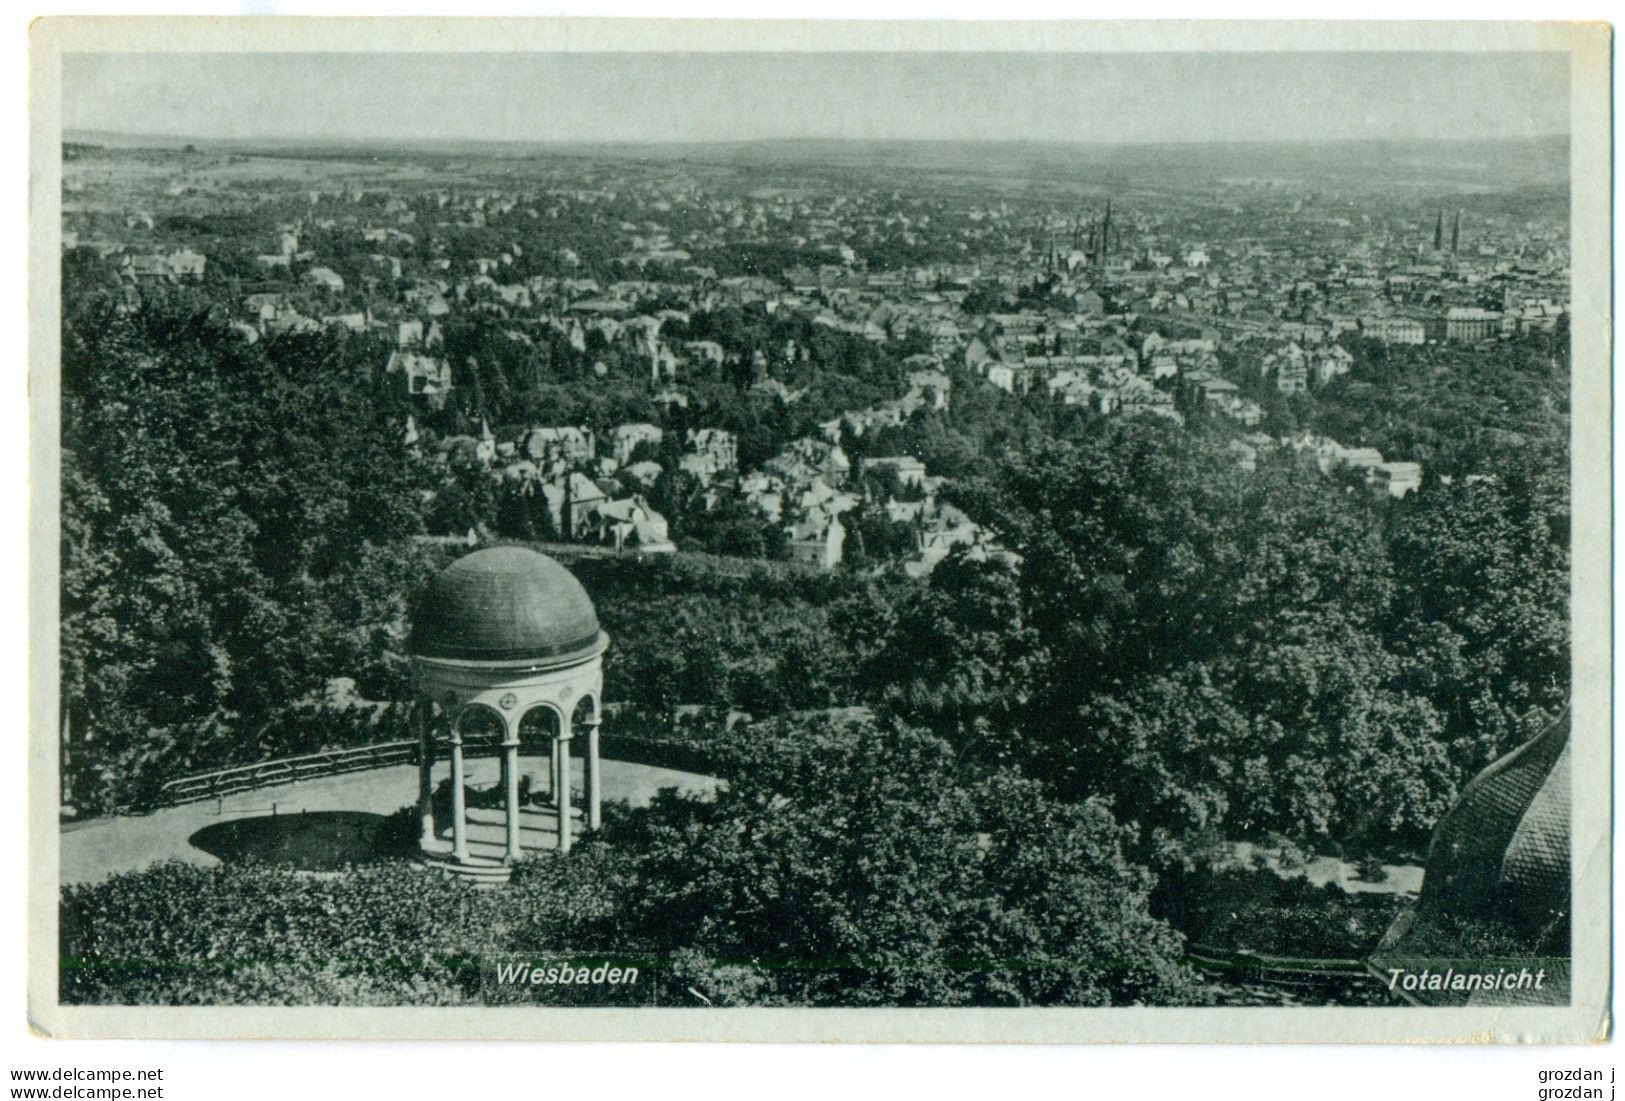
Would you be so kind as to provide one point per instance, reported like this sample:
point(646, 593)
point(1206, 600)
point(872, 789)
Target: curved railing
point(661, 753)
point(284, 770)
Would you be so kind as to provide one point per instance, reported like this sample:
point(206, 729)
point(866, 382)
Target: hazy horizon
point(707, 99)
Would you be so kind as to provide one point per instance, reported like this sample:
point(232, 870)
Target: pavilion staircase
point(479, 871)
point(488, 844)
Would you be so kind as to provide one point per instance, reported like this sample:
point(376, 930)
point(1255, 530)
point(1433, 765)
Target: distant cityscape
point(1227, 299)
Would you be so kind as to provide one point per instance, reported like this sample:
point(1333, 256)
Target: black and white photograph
point(673, 524)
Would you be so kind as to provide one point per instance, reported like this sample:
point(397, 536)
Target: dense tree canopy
point(1219, 650)
point(235, 523)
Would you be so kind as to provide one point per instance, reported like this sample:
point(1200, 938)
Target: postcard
point(997, 532)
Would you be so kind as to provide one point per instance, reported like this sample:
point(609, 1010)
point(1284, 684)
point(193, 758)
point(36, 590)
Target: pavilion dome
point(1501, 853)
point(506, 604)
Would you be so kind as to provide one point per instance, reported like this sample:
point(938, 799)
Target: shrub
point(249, 934)
point(1372, 869)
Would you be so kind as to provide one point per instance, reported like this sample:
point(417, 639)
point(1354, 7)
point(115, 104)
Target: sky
point(577, 97)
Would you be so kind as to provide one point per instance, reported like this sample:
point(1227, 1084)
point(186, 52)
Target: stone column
point(423, 720)
point(561, 780)
point(553, 770)
point(594, 775)
point(459, 799)
point(510, 773)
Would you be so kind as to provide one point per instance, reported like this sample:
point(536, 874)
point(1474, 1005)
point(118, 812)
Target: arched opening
point(481, 729)
point(539, 726)
point(586, 711)
point(482, 732)
point(537, 729)
point(436, 724)
point(584, 721)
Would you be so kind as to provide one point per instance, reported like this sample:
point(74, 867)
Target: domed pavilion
point(507, 659)
point(1499, 861)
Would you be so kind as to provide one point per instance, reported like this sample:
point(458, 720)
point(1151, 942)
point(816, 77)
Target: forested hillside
point(1210, 650)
